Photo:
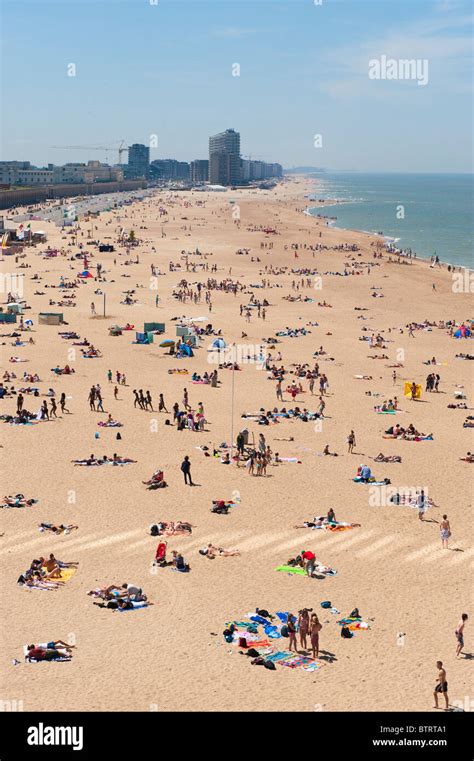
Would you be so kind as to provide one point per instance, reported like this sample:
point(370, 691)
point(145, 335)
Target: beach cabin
point(50, 318)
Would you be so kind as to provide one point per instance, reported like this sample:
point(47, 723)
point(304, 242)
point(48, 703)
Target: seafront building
point(138, 166)
point(224, 158)
point(23, 174)
point(169, 169)
point(199, 171)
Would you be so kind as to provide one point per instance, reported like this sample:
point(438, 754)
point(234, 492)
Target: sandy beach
point(172, 654)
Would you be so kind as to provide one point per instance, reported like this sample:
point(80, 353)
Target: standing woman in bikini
point(291, 626)
point(303, 627)
point(314, 629)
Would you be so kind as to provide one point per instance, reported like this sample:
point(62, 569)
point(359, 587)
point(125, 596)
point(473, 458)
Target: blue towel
point(284, 617)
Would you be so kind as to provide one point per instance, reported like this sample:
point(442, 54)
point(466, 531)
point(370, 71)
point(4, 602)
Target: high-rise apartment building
point(224, 158)
point(199, 170)
point(138, 161)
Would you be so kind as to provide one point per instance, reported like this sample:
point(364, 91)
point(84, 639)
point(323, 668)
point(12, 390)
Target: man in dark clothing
point(186, 469)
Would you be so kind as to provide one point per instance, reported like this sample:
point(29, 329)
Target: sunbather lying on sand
point(61, 529)
point(387, 458)
point(18, 501)
point(211, 551)
point(171, 528)
point(113, 592)
point(35, 579)
point(48, 652)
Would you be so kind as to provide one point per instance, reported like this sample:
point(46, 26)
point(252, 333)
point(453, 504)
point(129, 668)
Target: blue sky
point(165, 69)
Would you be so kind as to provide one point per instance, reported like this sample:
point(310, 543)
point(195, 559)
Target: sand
point(392, 568)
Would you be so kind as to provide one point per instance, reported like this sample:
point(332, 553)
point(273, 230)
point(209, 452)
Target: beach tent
point(185, 351)
point(463, 332)
point(219, 343)
point(407, 390)
point(85, 274)
point(50, 318)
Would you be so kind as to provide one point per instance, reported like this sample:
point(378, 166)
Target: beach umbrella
point(167, 343)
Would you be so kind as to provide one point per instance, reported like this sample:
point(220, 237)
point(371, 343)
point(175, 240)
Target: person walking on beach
point(279, 392)
point(54, 407)
point(62, 403)
point(410, 331)
point(394, 377)
point(100, 403)
point(93, 312)
point(351, 440)
point(161, 404)
point(186, 404)
point(322, 405)
point(186, 470)
point(441, 686)
point(421, 504)
point(445, 532)
point(314, 629)
point(460, 634)
point(92, 398)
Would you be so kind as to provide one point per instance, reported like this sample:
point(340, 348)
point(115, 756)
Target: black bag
point(252, 652)
point(346, 633)
point(270, 665)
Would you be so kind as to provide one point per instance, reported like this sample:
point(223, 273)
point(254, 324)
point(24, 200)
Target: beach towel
point(291, 569)
point(339, 527)
point(66, 574)
point(283, 616)
point(260, 620)
point(279, 656)
point(358, 480)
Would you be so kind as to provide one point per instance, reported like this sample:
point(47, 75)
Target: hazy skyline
point(166, 69)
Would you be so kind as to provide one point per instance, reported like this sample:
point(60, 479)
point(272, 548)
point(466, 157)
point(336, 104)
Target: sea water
point(431, 214)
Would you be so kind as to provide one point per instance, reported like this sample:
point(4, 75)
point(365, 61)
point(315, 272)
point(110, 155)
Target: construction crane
point(122, 148)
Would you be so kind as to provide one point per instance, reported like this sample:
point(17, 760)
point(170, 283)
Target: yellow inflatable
point(407, 390)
